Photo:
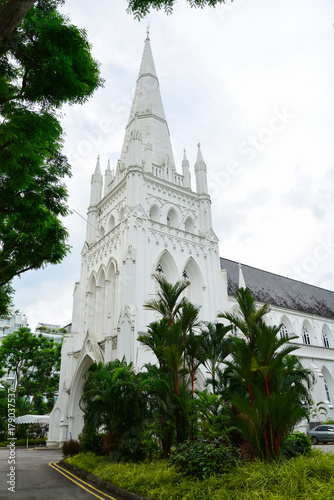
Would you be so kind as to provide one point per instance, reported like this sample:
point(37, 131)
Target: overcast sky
point(253, 82)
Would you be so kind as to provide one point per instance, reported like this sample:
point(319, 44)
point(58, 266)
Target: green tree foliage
point(216, 346)
point(45, 62)
point(269, 388)
point(259, 390)
point(35, 361)
point(214, 418)
point(113, 399)
point(170, 301)
point(140, 8)
point(179, 352)
point(159, 387)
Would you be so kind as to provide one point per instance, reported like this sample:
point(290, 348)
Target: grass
point(302, 478)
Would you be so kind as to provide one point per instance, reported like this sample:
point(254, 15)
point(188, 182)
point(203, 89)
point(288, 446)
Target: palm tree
point(169, 303)
point(213, 415)
point(112, 399)
point(251, 315)
point(167, 339)
point(195, 355)
point(270, 387)
point(216, 347)
point(155, 339)
point(158, 387)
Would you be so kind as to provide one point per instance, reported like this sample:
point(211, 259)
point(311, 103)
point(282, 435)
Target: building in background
point(11, 323)
point(53, 332)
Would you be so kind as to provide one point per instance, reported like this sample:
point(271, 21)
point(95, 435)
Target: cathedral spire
point(147, 115)
point(200, 172)
point(97, 170)
point(108, 177)
point(186, 171)
point(242, 283)
point(96, 184)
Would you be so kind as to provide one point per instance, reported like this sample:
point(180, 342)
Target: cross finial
point(199, 144)
point(148, 31)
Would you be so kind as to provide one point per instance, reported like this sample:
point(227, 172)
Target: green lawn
point(306, 477)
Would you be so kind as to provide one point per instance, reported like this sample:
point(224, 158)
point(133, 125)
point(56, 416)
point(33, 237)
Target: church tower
point(143, 218)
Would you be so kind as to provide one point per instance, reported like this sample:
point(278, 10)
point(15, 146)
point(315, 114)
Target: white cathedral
point(143, 219)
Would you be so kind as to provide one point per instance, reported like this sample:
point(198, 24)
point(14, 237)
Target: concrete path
point(27, 475)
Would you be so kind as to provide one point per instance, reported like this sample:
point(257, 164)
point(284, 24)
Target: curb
point(127, 495)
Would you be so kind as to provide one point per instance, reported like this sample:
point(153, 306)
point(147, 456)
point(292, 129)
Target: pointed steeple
point(95, 198)
point(242, 283)
point(186, 171)
point(108, 177)
point(147, 115)
point(97, 170)
point(199, 158)
point(147, 66)
point(96, 184)
point(200, 172)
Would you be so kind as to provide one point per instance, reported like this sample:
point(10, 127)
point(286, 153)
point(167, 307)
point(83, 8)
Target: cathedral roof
point(147, 113)
point(280, 291)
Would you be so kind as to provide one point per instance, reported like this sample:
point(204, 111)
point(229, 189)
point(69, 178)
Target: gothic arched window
point(111, 223)
point(283, 332)
point(189, 225)
point(154, 213)
point(172, 218)
point(325, 341)
point(305, 336)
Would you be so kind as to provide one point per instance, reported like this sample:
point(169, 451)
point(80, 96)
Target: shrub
point(296, 444)
point(91, 441)
point(71, 448)
point(23, 442)
point(201, 457)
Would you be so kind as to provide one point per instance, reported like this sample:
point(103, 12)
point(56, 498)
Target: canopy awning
point(33, 419)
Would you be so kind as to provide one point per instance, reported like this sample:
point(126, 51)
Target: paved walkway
point(32, 478)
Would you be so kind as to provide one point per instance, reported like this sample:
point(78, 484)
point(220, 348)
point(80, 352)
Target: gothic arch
point(74, 411)
point(286, 328)
point(189, 226)
point(111, 222)
point(326, 337)
point(172, 218)
point(100, 278)
point(307, 333)
point(154, 213)
point(168, 266)
point(122, 212)
point(101, 231)
point(195, 290)
point(112, 268)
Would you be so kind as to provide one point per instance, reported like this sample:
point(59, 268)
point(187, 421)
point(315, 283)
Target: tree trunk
point(11, 15)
